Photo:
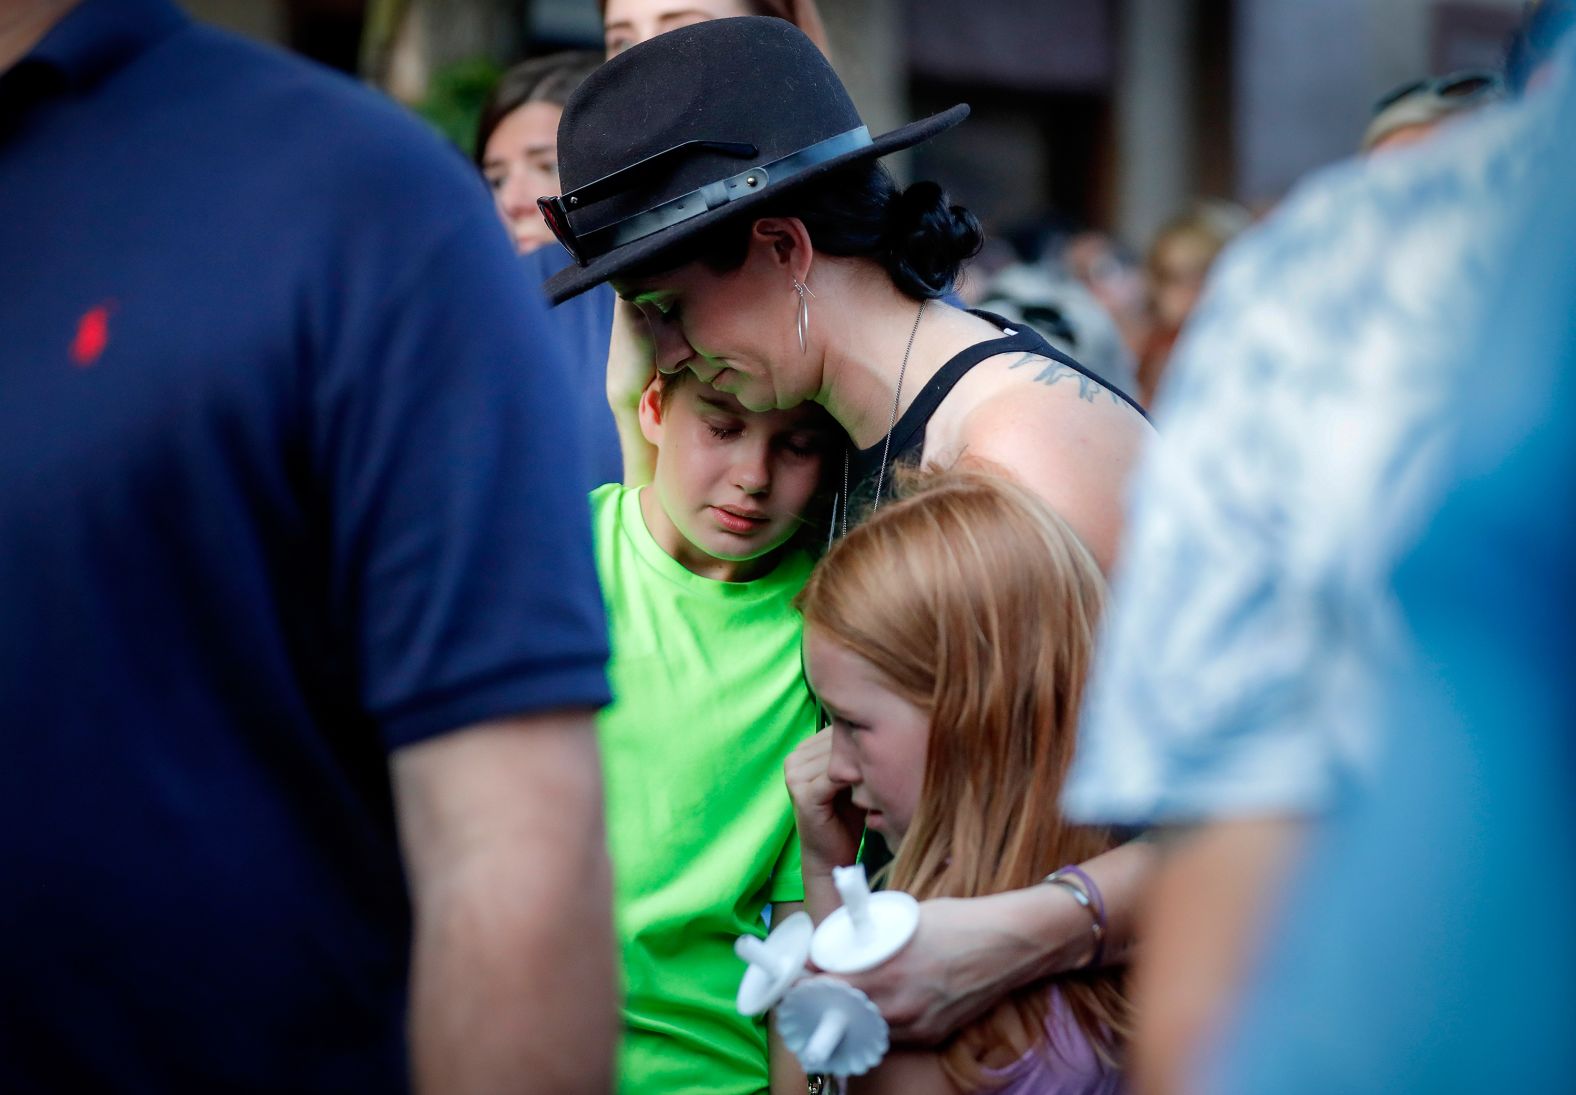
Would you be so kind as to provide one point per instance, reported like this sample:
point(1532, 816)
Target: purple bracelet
point(1093, 901)
point(1094, 891)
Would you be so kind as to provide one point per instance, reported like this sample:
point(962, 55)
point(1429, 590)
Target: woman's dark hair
point(916, 234)
point(548, 79)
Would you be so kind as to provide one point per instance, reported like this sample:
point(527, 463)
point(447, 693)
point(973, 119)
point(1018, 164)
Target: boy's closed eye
point(722, 427)
point(807, 443)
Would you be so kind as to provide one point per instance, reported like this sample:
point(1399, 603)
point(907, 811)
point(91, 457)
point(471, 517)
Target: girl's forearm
point(821, 898)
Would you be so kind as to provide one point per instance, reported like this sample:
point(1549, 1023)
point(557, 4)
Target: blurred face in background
point(1116, 281)
point(1178, 266)
point(629, 22)
point(521, 165)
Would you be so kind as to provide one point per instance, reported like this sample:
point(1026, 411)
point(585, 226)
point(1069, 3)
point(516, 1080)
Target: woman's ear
point(785, 242)
point(650, 408)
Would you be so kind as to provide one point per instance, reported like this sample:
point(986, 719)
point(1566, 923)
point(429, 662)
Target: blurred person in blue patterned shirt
point(1253, 631)
point(1457, 972)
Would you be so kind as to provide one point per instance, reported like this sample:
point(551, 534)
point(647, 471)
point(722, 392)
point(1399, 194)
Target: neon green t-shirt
point(709, 699)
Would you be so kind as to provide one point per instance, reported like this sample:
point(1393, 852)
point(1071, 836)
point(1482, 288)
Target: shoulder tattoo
point(1050, 372)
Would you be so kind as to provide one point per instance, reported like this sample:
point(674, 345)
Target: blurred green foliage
point(455, 97)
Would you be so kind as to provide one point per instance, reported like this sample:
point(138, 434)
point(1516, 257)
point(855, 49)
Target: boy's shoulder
point(606, 502)
point(608, 514)
point(607, 493)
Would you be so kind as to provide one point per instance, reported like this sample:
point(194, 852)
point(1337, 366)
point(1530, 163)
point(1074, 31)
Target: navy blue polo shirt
point(585, 324)
point(291, 480)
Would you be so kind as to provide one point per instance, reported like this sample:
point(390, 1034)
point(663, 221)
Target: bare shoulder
point(1063, 434)
point(1023, 369)
point(1034, 401)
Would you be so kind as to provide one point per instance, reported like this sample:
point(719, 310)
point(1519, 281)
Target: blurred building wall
point(867, 51)
point(1115, 113)
point(1307, 73)
point(1302, 89)
point(1157, 116)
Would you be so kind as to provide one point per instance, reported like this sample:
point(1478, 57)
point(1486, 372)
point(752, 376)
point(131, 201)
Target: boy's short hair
point(668, 384)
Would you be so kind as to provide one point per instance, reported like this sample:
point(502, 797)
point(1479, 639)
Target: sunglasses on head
point(556, 209)
point(587, 245)
point(1459, 87)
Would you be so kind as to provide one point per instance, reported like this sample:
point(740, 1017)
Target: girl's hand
point(830, 826)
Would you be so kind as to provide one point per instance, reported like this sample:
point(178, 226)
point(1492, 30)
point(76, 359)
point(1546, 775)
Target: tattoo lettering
point(1052, 371)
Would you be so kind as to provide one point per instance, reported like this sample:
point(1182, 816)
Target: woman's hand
point(631, 357)
point(967, 954)
point(962, 961)
point(830, 826)
point(631, 367)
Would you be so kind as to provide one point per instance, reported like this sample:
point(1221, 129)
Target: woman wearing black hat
point(723, 181)
point(720, 177)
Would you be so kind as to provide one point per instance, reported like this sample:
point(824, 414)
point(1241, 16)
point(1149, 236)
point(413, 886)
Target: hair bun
point(928, 240)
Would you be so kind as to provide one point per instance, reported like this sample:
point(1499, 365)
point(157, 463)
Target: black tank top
point(908, 435)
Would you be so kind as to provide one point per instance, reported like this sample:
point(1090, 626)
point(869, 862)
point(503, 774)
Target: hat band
point(714, 195)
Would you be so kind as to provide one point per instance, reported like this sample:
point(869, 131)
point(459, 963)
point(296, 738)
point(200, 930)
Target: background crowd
point(1183, 619)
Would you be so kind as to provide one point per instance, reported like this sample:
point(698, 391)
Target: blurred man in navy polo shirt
point(297, 609)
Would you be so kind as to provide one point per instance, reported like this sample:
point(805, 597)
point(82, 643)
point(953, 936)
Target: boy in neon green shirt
point(699, 576)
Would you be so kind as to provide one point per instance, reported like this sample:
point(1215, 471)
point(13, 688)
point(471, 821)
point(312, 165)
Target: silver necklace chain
point(886, 444)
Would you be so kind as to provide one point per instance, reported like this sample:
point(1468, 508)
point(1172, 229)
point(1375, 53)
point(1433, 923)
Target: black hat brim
point(575, 279)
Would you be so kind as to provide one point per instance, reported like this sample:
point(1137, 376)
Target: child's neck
point(693, 559)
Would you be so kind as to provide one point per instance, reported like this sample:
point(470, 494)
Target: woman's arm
point(968, 954)
point(1076, 453)
point(630, 370)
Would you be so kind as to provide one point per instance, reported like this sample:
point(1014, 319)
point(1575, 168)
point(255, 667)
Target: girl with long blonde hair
point(948, 639)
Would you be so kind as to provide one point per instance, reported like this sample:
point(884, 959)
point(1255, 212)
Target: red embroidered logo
point(92, 335)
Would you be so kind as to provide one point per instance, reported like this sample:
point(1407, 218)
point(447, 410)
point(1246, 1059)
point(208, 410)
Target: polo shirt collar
point(98, 36)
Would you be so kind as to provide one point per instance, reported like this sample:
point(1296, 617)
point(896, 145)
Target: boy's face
point(730, 484)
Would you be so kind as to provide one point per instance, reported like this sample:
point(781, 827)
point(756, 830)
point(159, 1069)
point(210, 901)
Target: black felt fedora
point(696, 126)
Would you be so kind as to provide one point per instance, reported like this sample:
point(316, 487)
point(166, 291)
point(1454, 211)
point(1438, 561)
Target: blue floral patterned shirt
point(1300, 435)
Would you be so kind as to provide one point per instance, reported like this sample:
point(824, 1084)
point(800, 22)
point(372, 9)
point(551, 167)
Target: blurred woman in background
point(517, 151)
point(628, 22)
point(517, 139)
point(1179, 261)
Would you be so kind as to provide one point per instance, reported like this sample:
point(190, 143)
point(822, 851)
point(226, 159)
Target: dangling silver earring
point(804, 313)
